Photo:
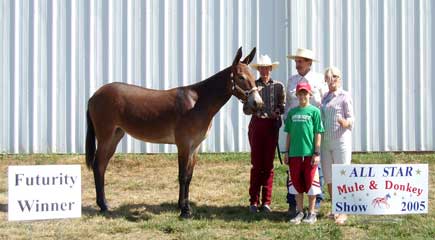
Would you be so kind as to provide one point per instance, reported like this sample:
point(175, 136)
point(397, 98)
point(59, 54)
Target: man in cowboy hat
point(263, 134)
point(304, 58)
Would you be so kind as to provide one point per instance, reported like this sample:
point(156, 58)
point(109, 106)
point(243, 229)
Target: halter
point(239, 93)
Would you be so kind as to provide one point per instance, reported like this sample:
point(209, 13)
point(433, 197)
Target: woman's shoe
point(332, 216)
point(341, 219)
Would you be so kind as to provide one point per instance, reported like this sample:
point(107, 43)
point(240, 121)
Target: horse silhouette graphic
point(381, 200)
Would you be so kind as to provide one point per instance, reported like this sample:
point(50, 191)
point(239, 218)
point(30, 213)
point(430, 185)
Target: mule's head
point(243, 81)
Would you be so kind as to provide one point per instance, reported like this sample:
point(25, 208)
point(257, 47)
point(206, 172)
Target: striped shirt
point(273, 96)
point(336, 105)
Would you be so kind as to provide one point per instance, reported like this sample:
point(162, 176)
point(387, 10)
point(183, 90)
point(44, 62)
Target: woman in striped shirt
point(338, 119)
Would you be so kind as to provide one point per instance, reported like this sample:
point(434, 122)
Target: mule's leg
point(105, 151)
point(119, 133)
point(189, 173)
point(99, 169)
point(186, 162)
point(183, 155)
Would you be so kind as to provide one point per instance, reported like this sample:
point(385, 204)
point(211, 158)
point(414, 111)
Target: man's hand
point(275, 114)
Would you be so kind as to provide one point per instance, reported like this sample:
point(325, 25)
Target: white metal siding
point(55, 54)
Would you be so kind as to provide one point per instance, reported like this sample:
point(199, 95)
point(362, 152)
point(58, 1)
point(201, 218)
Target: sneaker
point(266, 208)
point(253, 209)
point(291, 211)
point(310, 218)
point(297, 218)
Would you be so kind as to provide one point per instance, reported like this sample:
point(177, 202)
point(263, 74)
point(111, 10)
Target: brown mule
point(180, 116)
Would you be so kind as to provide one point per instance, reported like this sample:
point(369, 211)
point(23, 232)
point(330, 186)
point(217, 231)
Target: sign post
point(44, 192)
point(379, 189)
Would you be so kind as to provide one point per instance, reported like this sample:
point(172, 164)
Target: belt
point(262, 116)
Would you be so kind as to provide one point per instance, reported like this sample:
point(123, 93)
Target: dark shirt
point(273, 95)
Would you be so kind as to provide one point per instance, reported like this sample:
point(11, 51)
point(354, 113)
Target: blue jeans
point(291, 200)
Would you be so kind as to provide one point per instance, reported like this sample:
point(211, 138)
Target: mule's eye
point(241, 78)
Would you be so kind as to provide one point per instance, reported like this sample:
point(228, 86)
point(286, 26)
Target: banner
point(379, 189)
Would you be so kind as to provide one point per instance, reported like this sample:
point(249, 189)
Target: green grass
point(142, 191)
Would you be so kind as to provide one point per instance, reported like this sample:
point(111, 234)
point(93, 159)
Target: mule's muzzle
point(258, 101)
point(255, 102)
point(258, 105)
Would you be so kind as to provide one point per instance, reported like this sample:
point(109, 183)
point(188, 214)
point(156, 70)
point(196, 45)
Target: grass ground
point(142, 191)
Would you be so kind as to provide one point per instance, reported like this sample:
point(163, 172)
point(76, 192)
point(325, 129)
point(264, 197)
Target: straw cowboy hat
point(303, 53)
point(265, 61)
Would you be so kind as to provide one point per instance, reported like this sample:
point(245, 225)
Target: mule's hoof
point(185, 215)
point(104, 210)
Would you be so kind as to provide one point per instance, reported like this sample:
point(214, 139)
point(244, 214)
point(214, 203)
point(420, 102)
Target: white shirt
point(318, 87)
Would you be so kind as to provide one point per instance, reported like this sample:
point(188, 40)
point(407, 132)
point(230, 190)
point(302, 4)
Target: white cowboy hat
point(265, 61)
point(303, 53)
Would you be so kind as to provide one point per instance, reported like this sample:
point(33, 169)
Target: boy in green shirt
point(304, 126)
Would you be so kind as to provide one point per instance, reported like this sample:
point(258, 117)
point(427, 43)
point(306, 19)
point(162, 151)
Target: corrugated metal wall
point(55, 54)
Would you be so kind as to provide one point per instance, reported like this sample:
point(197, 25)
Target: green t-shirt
point(302, 124)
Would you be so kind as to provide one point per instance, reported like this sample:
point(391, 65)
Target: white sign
point(44, 192)
point(380, 188)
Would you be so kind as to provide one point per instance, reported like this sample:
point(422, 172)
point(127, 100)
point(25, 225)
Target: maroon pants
point(263, 137)
point(302, 173)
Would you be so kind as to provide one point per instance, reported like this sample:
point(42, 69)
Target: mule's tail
point(90, 142)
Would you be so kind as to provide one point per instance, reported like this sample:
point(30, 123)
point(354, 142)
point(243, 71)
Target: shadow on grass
point(144, 212)
point(3, 207)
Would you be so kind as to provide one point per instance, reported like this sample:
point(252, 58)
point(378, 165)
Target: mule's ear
point(248, 59)
point(238, 56)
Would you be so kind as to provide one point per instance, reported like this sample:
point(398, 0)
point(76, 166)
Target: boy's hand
point(315, 160)
point(286, 158)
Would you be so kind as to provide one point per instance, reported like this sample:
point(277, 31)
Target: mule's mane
point(218, 80)
point(215, 90)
